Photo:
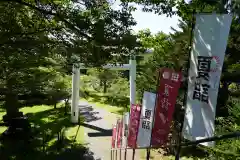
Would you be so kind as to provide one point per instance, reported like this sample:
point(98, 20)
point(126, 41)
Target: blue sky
point(154, 22)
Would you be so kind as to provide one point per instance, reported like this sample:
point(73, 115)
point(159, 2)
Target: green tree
point(228, 104)
point(48, 33)
point(105, 77)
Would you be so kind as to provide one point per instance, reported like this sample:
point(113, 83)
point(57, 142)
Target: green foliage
point(41, 39)
point(183, 10)
point(104, 78)
point(172, 52)
point(90, 29)
point(119, 88)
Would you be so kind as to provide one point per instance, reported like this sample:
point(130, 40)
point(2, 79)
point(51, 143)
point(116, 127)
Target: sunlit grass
point(110, 108)
point(71, 131)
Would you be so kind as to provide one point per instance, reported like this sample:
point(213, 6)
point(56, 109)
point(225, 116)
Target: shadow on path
point(87, 112)
point(101, 132)
point(90, 115)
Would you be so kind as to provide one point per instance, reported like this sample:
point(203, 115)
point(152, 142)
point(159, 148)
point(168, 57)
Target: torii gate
point(76, 84)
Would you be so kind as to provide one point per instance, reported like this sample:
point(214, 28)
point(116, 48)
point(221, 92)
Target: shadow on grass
point(49, 140)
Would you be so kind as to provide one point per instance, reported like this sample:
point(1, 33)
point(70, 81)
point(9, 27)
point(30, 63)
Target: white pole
point(75, 94)
point(132, 75)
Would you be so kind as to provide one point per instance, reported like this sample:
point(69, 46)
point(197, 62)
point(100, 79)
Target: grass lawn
point(110, 108)
point(50, 122)
point(100, 100)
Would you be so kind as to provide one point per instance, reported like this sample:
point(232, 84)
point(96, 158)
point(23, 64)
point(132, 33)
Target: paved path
point(98, 131)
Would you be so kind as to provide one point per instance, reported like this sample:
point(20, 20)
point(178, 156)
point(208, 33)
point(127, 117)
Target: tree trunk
point(223, 96)
point(104, 86)
point(11, 99)
point(11, 103)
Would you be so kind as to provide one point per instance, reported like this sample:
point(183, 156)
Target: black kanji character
point(197, 86)
point(148, 114)
point(197, 95)
point(205, 88)
point(204, 64)
point(197, 91)
point(204, 98)
point(146, 125)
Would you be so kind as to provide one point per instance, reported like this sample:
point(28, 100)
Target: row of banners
point(149, 124)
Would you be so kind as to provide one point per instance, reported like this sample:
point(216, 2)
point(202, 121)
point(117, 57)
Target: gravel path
point(98, 131)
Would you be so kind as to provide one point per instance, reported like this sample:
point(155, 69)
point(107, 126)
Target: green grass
point(112, 109)
point(50, 122)
point(100, 100)
point(2, 128)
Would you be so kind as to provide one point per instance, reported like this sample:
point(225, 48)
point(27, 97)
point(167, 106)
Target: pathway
point(98, 130)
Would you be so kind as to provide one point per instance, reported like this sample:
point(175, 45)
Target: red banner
point(166, 99)
point(134, 125)
point(119, 135)
point(114, 134)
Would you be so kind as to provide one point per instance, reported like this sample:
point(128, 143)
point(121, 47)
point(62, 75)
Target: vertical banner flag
point(125, 129)
point(170, 82)
point(146, 119)
point(119, 135)
point(207, 56)
point(133, 125)
point(114, 133)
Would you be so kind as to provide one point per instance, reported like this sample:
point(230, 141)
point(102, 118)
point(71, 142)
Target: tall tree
point(35, 33)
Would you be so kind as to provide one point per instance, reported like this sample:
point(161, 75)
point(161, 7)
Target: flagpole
point(112, 151)
point(177, 156)
point(120, 149)
point(116, 156)
point(126, 145)
point(149, 149)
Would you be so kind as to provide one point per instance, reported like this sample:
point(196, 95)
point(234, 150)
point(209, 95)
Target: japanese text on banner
point(167, 94)
point(133, 125)
point(146, 119)
point(206, 61)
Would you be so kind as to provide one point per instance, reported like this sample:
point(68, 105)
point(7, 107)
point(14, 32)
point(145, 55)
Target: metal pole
point(120, 152)
point(215, 138)
point(111, 154)
point(116, 157)
point(125, 154)
point(126, 121)
point(148, 153)
point(133, 154)
point(120, 149)
point(177, 156)
point(149, 149)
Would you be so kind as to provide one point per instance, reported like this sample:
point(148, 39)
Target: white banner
point(146, 120)
point(207, 56)
point(125, 129)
